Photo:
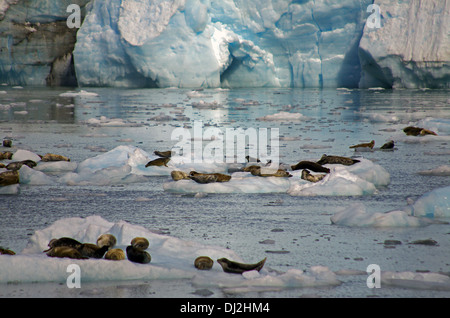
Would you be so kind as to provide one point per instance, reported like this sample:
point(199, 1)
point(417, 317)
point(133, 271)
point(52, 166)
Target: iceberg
point(230, 43)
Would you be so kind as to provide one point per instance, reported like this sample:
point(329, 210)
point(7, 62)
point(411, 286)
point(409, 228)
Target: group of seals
point(206, 263)
point(71, 248)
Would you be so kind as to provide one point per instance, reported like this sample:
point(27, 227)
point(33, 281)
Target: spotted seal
point(416, 131)
point(115, 254)
point(310, 165)
point(364, 145)
point(63, 241)
point(65, 251)
point(220, 177)
point(306, 175)
point(6, 155)
point(337, 160)
point(163, 154)
point(238, 268)
point(6, 251)
point(106, 240)
point(158, 162)
point(9, 177)
point(16, 165)
point(388, 145)
point(92, 250)
point(179, 175)
point(203, 263)
point(53, 157)
point(137, 256)
point(140, 243)
point(256, 171)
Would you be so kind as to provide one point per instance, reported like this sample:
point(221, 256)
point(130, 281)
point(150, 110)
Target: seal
point(204, 178)
point(7, 143)
point(6, 155)
point(9, 177)
point(313, 166)
point(388, 145)
point(163, 154)
point(52, 157)
point(92, 251)
point(306, 175)
point(158, 162)
point(364, 145)
point(203, 263)
point(65, 251)
point(179, 175)
point(238, 268)
point(63, 241)
point(115, 254)
point(337, 160)
point(220, 177)
point(140, 243)
point(106, 240)
point(5, 251)
point(138, 256)
point(416, 131)
point(16, 165)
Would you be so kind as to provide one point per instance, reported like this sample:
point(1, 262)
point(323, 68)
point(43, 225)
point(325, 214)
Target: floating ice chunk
point(76, 94)
point(443, 170)
point(282, 116)
point(357, 216)
point(371, 172)
point(31, 176)
point(339, 182)
point(56, 166)
point(434, 281)
point(435, 203)
point(110, 122)
point(10, 189)
point(22, 154)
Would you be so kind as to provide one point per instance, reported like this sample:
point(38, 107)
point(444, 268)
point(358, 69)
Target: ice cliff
point(227, 43)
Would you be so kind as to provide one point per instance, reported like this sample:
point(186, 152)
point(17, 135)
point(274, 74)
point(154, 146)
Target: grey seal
point(158, 162)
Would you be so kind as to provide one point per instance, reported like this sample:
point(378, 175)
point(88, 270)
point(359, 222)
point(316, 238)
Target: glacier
point(229, 43)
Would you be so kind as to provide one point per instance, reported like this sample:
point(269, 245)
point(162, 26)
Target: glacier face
point(233, 43)
point(411, 48)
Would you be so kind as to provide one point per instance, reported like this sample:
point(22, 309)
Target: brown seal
point(65, 251)
point(9, 177)
point(208, 178)
point(238, 268)
point(138, 256)
point(220, 177)
point(64, 241)
point(106, 240)
point(337, 160)
point(115, 254)
point(163, 154)
point(5, 251)
point(92, 250)
point(6, 155)
point(203, 263)
point(140, 243)
point(16, 165)
point(313, 166)
point(306, 175)
point(52, 157)
point(364, 145)
point(158, 162)
point(416, 131)
point(256, 171)
point(7, 143)
point(388, 145)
